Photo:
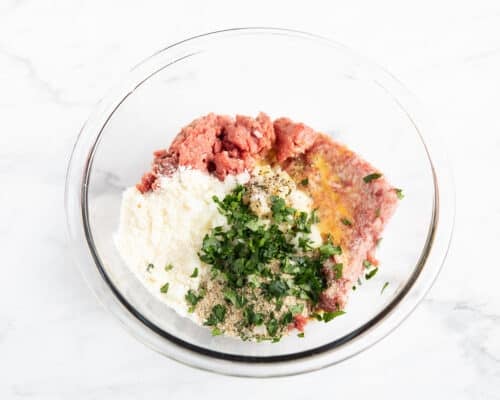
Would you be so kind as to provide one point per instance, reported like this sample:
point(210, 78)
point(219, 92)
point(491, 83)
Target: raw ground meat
point(353, 211)
point(214, 143)
point(292, 138)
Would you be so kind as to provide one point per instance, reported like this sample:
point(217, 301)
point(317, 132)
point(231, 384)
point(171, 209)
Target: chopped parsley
point(384, 287)
point(192, 298)
point(300, 335)
point(235, 298)
point(337, 270)
point(304, 182)
point(164, 288)
point(251, 318)
point(260, 264)
point(194, 274)
point(169, 267)
point(317, 316)
point(328, 249)
point(399, 193)
point(279, 209)
point(150, 267)
point(276, 288)
point(346, 222)
point(218, 315)
point(371, 177)
point(216, 332)
point(371, 274)
point(328, 316)
point(367, 264)
point(287, 318)
point(272, 326)
point(296, 309)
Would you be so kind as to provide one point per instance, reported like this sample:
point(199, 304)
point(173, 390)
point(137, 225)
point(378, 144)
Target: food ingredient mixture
point(253, 227)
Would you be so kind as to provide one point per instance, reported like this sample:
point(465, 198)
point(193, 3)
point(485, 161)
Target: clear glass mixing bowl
point(283, 73)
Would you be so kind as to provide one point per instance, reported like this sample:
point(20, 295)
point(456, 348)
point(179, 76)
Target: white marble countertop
point(57, 58)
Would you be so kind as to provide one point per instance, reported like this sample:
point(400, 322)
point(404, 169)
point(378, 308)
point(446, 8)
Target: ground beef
point(214, 143)
point(335, 183)
point(292, 138)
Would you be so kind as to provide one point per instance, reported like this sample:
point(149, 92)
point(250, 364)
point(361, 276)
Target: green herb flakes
point(150, 267)
point(304, 182)
point(235, 298)
point(218, 315)
point(371, 274)
point(384, 287)
point(192, 298)
point(276, 288)
point(164, 288)
point(272, 327)
point(371, 177)
point(317, 316)
point(287, 318)
point(346, 222)
point(169, 267)
point(328, 316)
point(216, 331)
point(194, 274)
point(328, 249)
point(296, 309)
point(338, 270)
point(399, 193)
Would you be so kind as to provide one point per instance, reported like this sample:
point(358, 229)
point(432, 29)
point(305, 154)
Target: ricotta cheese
point(161, 231)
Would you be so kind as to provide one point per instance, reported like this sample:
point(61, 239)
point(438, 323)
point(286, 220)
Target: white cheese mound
point(167, 226)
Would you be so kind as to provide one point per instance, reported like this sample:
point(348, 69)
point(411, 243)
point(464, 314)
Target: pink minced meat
point(336, 183)
point(217, 144)
point(292, 138)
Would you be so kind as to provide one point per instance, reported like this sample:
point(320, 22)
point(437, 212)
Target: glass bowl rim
point(75, 180)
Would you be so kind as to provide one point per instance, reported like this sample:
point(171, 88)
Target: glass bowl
point(283, 73)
